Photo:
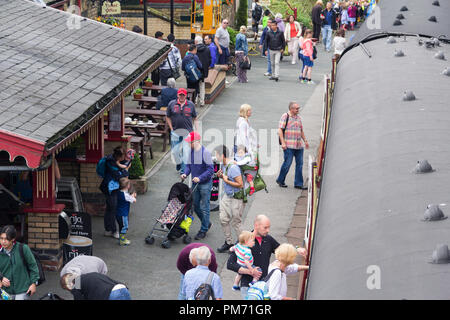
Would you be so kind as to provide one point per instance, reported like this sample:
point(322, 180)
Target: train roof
point(372, 202)
point(416, 19)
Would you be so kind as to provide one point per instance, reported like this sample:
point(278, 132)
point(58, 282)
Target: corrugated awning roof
point(56, 79)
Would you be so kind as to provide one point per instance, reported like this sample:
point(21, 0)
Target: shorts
point(307, 61)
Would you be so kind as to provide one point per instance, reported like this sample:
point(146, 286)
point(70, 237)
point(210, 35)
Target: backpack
point(101, 167)
point(38, 262)
point(257, 13)
point(205, 290)
point(259, 290)
point(193, 73)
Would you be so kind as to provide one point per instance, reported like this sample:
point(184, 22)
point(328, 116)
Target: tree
point(242, 14)
point(136, 169)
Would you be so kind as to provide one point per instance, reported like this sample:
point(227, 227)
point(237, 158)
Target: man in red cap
point(181, 118)
point(201, 167)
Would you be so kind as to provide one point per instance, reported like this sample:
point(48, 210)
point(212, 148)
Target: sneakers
point(292, 62)
point(224, 248)
point(267, 74)
point(283, 185)
point(123, 241)
point(274, 78)
point(236, 288)
point(311, 82)
point(200, 235)
point(111, 234)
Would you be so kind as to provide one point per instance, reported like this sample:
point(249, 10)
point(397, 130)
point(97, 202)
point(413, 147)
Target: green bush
point(304, 8)
point(233, 33)
point(242, 14)
point(136, 169)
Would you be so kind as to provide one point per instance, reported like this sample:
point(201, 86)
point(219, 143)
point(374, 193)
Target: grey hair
point(260, 217)
point(191, 254)
point(198, 40)
point(171, 82)
point(202, 255)
point(291, 104)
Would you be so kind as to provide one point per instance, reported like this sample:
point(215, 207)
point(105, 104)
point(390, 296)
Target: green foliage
point(138, 91)
point(304, 8)
point(242, 15)
point(233, 33)
point(136, 169)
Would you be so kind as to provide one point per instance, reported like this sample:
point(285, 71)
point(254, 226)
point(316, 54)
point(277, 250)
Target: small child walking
point(300, 52)
point(244, 255)
point(123, 209)
point(339, 43)
point(308, 49)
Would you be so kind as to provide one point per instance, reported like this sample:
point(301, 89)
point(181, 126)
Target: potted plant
point(148, 82)
point(138, 93)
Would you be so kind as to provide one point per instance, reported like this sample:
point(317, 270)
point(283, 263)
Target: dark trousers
point(316, 30)
point(110, 212)
point(194, 85)
point(223, 58)
point(165, 74)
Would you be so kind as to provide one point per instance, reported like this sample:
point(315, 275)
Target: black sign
point(81, 224)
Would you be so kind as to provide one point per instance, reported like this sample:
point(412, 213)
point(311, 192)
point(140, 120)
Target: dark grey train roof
point(415, 19)
point(52, 75)
point(371, 201)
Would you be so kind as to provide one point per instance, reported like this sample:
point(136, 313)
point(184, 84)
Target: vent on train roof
point(397, 23)
point(398, 53)
point(423, 166)
point(400, 16)
point(433, 213)
point(404, 8)
point(446, 72)
point(440, 255)
point(436, 3)
point(440, 55)
point(408, 96)
point(391, 39)
point(432, 19)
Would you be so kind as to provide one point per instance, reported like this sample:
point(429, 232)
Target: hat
point(193, 136)
point(183, 91)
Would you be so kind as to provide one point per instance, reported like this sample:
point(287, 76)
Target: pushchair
point(176, 217)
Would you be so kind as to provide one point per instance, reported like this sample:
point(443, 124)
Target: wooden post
point(94, 141)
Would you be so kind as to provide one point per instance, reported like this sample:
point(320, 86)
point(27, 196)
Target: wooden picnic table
point(190, 91)
point(146, 101)
point(159, 118)
point(142, 137)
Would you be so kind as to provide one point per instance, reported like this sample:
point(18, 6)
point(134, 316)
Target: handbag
point(175, 72)
point(246, 64)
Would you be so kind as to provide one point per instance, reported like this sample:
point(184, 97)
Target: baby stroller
point(176, 217)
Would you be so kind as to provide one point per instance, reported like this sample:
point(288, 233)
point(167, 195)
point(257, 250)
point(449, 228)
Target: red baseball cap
point(193, 136)
point(182, 91)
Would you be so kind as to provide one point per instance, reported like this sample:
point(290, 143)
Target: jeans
point(223, 58)
point(327, 32)
point(180, 150)
point(269, 65)
point(123, 224)
point(181, 295)
point(120, 294)
point(275, 60)
point(289, 154)
point(110, 213)
point(201, 196)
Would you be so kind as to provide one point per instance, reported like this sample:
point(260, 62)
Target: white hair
point(198, 40)
point(278, 16)
point(171, 83)
point(203, 256)
point(191, 254)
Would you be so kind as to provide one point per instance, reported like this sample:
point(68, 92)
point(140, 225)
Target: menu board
point(115, 117)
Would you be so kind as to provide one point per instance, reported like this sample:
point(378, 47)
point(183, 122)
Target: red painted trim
point(18, 145)
point(57, 208)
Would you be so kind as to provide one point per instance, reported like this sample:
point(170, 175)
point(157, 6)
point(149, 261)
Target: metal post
point(145, 17)
point(171, 17)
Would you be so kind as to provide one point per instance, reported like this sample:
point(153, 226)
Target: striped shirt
point(293, 133)
point(243, 253)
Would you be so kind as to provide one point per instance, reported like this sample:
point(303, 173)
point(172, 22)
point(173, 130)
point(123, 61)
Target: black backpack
point(38, 262)
point(205, 291)
point(257, 13)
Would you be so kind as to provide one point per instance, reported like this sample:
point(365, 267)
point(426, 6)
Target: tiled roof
point(52, 76)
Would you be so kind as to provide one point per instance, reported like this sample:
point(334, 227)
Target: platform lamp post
point(171, 17)
point(145, 17)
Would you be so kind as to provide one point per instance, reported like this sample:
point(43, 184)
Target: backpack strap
point(209, 281)
point(23, 257)
point(270, 274)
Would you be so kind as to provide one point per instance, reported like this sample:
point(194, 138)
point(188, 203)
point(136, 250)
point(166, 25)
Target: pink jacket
point(307, 48)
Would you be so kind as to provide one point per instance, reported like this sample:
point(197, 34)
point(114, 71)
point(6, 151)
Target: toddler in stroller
point(176, 217)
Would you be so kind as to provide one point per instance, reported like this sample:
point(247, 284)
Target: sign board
point(81, 224)
point(115, 117)
point(109, 8)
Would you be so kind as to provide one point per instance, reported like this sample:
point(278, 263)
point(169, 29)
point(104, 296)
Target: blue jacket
point(241, 43)
point(167, 95)
point(200, 165)
point(213, 50)
point(262, 41)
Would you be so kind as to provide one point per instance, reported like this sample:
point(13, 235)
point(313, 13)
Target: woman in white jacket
point(284, 265)
point(292, 33)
